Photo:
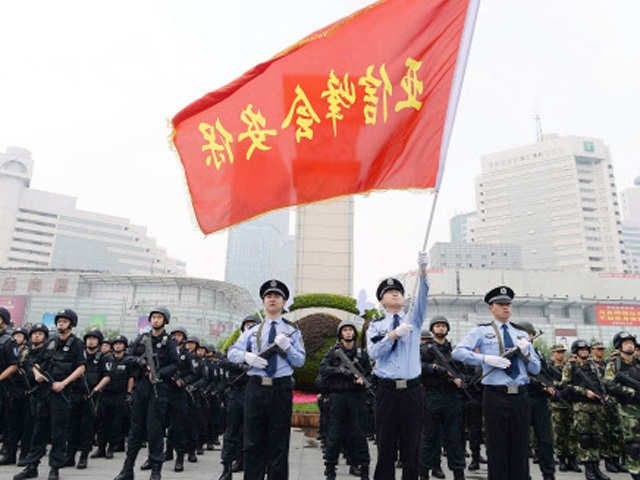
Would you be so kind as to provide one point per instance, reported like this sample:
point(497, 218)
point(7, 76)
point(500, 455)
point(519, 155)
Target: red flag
point(364, 104)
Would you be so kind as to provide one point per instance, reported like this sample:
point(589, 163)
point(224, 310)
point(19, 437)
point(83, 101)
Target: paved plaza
point(305, 461)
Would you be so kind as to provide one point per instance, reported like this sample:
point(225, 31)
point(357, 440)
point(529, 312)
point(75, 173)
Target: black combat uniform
point(10, 401)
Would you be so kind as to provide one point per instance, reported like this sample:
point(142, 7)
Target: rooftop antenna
point(538, 128)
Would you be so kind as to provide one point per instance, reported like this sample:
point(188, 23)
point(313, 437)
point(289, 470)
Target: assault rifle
point(91, 394)
point(50, 381)
point(596, 387)
point(628, 381)
point(355, 371)
point(443, 362)
point(150, 360)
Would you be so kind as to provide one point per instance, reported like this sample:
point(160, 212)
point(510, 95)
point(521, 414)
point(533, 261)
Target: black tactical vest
point(119, 373)
point(63, 358)
point(93, 373)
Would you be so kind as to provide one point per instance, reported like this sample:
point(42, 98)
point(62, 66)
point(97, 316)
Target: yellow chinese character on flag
point(220, 149)
point(256, 132)
point(340, 96)
point(371, 84)
point(305, 115)
point(411, 85)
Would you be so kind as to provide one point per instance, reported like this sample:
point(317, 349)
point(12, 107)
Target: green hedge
point(306, 375)
point(327, 300)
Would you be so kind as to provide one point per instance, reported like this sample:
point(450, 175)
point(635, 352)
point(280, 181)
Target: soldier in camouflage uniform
point(622, 378)
point(582, 380)
point(615, 443)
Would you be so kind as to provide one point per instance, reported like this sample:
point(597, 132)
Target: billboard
point(565, 336)
point(618, 315)
point(97, 321)
point(144, 324)
point(16, 307)
point(48, 319)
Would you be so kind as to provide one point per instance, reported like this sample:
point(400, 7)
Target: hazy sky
point(88, 87)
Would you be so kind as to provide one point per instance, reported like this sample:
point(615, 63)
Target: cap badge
point(273, 283)
point(503, 291)
point(389, 281)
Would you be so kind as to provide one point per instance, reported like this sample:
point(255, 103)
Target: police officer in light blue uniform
point(268, 395)
point(504, 403)
point(393, 342)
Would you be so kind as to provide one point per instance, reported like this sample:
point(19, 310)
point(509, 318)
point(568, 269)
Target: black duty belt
point(398, 383)
point(509, 390)
point(270, 381)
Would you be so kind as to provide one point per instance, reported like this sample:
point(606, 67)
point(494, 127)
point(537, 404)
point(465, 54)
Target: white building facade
point(43, 229)
point(555, 198)
point(631, 226)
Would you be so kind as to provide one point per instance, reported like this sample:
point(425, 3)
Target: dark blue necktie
point(514, 370)
point(273, 359)
point(396, 323)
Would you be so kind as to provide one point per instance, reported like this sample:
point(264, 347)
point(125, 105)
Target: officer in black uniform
point(269, 395)
point(150, 394)
point(17, 411)
point(541, 389)
point(106, 346)
point(444, 405)
point(217, 416)
point(114, 406)
point(237, 380)
point(37, 410)
point(83, 420)
point(8, 368)
point(348, 396)
point(63, 363)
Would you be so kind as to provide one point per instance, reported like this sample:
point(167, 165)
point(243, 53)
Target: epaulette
point(289, 322)
point(377, 319)
point(484, 324)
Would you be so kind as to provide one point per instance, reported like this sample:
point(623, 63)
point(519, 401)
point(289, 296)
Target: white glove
point(523, 345)
point(254, 360)
point(423, 259)
point(496, 361)
point(283, 341)
point(403, 329)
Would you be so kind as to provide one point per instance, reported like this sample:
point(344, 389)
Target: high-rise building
point(261, 249)
point(459, 225)
point(631, 225)
point(475, 255)
point(324, 247)
point(44, 229)
point(556, 199)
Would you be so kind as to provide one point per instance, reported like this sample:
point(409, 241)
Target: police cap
point(502, 294)
point(389, 284)
point(274, 286)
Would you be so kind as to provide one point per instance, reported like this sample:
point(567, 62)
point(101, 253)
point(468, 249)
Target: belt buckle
point(512, 389)
point(266, 381)
point(401, 384)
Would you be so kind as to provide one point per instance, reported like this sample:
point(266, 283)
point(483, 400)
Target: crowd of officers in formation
point(177, 396)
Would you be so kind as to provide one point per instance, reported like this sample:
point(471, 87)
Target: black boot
point(354, 470)
point(562, 464)
point(330, 472)
point(475, 461)
point(22, 459)
point(572, 464)
point(237, 466)
point(589, 472)
point(127, 469)
point(364, 472)
point(31, 471)
point(210, 446)
point(108, 453)
point(100, 451)
point(437, 472)
point(71, 460)
point(200, 450)
point(179, 466)
point(168, 455)
point(156, 471)
point(191, 457)
point(53, 474)
point(82, 461)
point(598, 472)
point(146, 465)
point(610, 465)
point(458, 474)
point(548, 476)
point(226, 472)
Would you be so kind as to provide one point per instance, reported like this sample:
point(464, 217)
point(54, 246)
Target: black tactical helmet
point(108, 341)
point(39, 327)
point(211, 348)
point(6, 316)
point(180, 328)
point(248, 319)
point(120, 338)
point(67, 313)
point(439, 319)
point(164, 311)
point(347, 323)
point(194, 339)
point(578, 344)
point(426, 333)
point(620, 337)
point(94, 332)
point(21, 330)
point(526, 326)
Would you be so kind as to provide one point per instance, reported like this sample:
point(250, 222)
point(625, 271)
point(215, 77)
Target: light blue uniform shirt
point(484, 338)
point(404, 361)
point(248, 342)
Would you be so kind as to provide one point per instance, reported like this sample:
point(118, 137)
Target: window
point(34, 212)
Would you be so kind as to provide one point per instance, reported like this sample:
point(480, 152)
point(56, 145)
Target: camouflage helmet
point(620, 337)
point(579, 344)
point(347, 323)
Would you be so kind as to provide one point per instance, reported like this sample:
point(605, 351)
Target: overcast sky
point(88, 87)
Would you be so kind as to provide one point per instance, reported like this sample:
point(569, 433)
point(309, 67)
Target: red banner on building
point(618, 315)
point(364, 104)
